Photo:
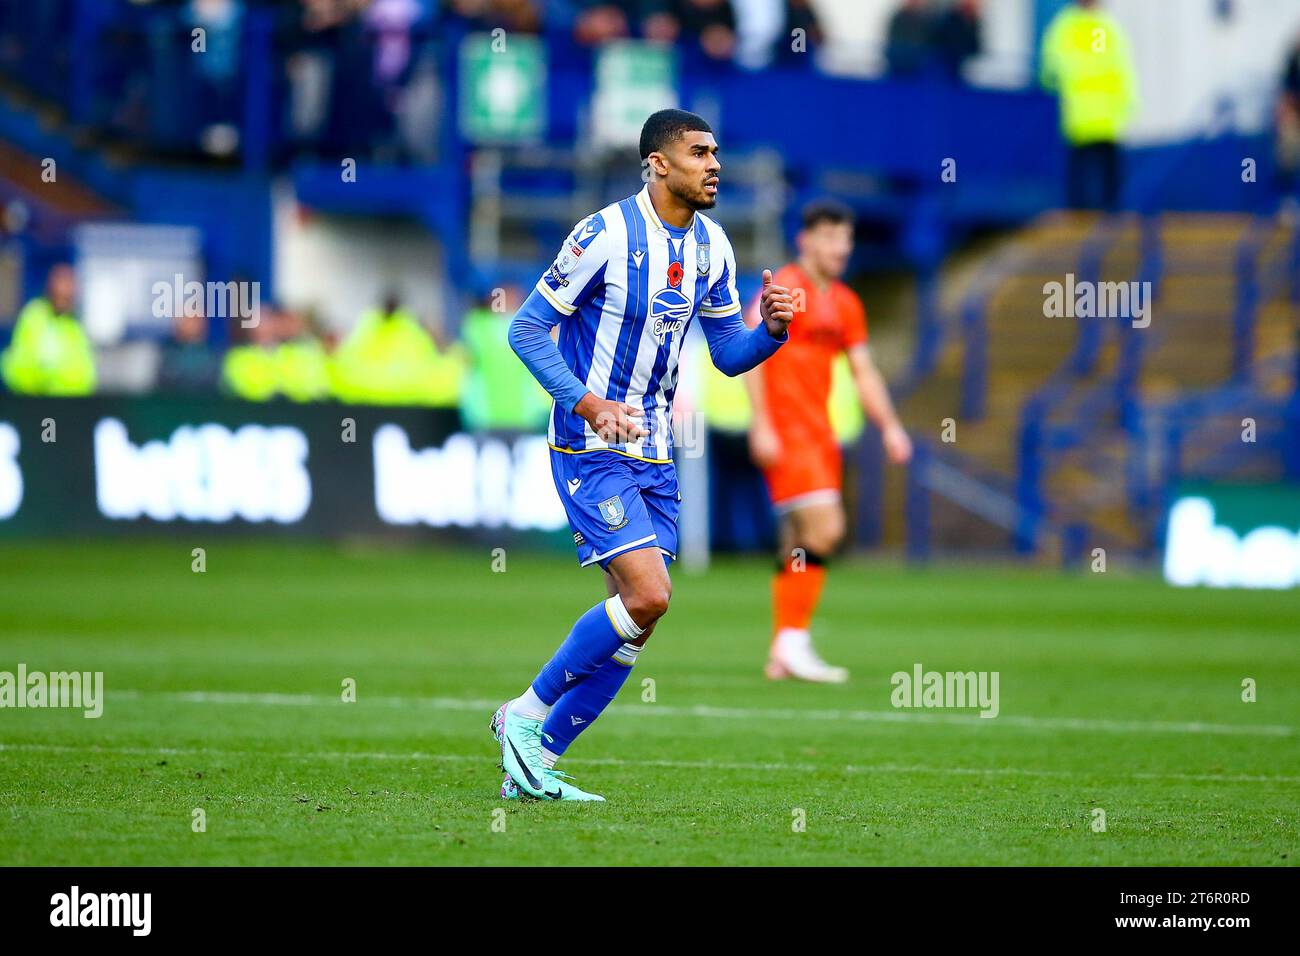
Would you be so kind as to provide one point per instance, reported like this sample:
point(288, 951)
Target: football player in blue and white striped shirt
point(624, 289)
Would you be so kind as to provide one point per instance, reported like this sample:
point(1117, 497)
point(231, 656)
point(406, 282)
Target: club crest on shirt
point(702, 262)
point(611, 509)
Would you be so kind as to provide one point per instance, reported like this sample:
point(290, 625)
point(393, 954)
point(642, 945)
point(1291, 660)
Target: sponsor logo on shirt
point(669, 310)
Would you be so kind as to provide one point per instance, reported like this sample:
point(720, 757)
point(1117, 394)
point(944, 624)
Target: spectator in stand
point(248, 370)
point(659, 21)
point(908, 41)
point(391, 359)
point(217, 71)
point(600, 21)
point(50, 353)
point(500, 393)
point(188, 363)
point(712, 22)
point(516, 16)
point(1287, 146)
point(1291, 75)
point(1086, 59)
point(956, 37)
point(389, 24)
point(800, 15)
point(358, 116)
point(315, 34)
point(277, 357)
point(301, 362)
point(765, 31)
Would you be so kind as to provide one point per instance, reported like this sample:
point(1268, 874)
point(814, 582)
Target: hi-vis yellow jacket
point(392, 360)
point(1087, 60)
point(49, 354)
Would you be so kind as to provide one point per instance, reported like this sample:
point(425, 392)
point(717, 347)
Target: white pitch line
point(767, 767)
point(966, 719)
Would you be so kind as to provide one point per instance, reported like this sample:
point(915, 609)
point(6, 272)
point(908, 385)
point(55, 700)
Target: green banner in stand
point(502, 88)
point(633, 80)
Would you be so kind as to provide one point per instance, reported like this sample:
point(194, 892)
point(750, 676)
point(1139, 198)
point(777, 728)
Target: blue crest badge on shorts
point(611, 509)
point(702, 262)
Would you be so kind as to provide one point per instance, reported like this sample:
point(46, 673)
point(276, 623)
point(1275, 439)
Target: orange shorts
point(808, 473)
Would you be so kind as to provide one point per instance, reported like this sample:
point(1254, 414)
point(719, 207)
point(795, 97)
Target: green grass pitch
point(224, 693)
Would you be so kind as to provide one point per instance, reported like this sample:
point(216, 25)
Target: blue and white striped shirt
point(624, 290)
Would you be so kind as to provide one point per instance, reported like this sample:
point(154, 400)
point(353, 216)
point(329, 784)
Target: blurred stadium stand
point(1073, 433)
point(1076, 431)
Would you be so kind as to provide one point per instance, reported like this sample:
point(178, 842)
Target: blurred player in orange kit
point(791, 438)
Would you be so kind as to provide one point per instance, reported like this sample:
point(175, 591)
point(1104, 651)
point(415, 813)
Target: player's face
point(829, 245)
point(693, 169)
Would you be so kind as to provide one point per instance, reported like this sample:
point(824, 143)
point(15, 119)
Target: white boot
point(793, 656)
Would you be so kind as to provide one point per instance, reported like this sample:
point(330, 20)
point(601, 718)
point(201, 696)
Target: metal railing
point(979, 491)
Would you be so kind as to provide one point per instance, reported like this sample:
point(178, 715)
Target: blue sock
point(578, 708)
point(593, 640)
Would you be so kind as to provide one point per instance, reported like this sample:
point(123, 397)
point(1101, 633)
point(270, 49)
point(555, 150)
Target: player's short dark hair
point(826, 210)
point(666, 126)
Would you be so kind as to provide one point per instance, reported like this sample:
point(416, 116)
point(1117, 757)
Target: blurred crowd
point(346, 77)
point(369, 77)
point(392, 42)
point(387, 358)
point(1288, 129)
point(933, 38)
point(716, 26)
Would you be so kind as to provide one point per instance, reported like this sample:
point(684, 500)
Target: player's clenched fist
point(613, 421)
point(776, 306)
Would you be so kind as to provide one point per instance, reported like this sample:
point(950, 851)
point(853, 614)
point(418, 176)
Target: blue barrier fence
point(1202, 438)
point(1068, 412)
